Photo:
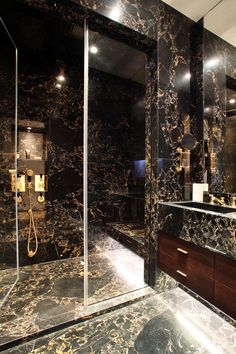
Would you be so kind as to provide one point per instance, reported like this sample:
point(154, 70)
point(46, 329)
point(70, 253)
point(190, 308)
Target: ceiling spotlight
point(29, 129)
point(115, 13)
point(187, 76)
point(232, 100)
point(61, 78)
point(58, 86)
point(207, 109)
point(93, 49)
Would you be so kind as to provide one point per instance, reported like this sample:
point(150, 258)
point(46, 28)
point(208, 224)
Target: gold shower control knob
point(30, 172)
point(41, 198)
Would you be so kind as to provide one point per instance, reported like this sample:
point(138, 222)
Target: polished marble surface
point(130, 234)
point(206, 229)
point(171, 322)
point(231, 213)
point(52, 293)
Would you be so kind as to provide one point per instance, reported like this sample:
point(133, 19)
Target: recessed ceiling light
point(58, 85)
point(61, 78)
point(29, 129)
point(207, 109)
point(232, 101)
point(93, 49)
point(187, 76)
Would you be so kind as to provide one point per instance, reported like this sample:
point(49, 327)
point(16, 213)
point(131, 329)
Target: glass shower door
point(9, 181)
point(115, 167)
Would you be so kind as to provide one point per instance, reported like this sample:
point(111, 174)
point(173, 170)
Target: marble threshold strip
point(90, 312)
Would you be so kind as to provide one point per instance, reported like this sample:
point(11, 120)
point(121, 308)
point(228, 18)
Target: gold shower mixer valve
point(17, 181)
point(40, 183)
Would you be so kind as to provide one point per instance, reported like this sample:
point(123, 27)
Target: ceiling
point(221, 20)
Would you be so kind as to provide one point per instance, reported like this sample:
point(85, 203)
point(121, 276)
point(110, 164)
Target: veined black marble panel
point(219, 70)
point(50, 132)
point(207, 230)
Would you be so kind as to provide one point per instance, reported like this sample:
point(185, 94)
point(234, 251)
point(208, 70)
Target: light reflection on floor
point(172, 323)
point(52, 293)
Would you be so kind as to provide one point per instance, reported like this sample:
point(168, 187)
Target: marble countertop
point(212, 230)
point(231, 215)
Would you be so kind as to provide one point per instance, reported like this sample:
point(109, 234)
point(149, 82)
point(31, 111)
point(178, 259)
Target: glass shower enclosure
point(72, 169)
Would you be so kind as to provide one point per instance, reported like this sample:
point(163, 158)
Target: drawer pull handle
point(182, 251)
point(181, 273)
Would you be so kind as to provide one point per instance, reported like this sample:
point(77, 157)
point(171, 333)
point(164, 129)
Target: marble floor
point(169, 323)
point(52, 293)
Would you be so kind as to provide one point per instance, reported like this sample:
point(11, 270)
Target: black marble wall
point(49, 47)
point(173, 106)
point(116, 139)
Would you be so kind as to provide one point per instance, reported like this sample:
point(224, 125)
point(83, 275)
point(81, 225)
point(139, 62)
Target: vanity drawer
point(210, 275)
point(187, 257)
point(169, 244)
point(225, 271)
point(225, 299)
point(189, 264)
point(191, 276)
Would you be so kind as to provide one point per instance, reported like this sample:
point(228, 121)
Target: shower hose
point(32, 227)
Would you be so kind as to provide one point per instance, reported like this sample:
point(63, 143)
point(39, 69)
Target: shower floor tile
point(171, 322)
point(52, 293)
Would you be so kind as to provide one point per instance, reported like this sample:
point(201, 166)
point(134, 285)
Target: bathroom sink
point(208, 207)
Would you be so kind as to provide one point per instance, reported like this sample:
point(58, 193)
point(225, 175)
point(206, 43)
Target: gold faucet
point(220, 201)
point(233, 202)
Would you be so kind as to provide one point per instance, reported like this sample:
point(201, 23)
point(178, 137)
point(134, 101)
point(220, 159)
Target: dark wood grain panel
point(190, 258)
point(225, 299)
point(225, 271)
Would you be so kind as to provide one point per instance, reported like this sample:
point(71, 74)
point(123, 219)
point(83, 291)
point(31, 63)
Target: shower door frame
point(16, 165)
point(85, 159)
point(149, 47)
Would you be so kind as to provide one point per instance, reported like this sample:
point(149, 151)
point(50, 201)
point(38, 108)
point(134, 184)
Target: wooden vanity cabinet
point(208, 274)
point(188, 264)
point(225, 285)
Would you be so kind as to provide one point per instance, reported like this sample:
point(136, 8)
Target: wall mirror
point(219, 82)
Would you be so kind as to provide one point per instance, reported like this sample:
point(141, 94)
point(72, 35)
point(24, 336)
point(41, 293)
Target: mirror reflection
point(219, 79)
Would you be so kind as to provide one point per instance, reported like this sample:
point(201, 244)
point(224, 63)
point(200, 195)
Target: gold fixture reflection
point(233, 202)
point(213, 161)
point(184, 159)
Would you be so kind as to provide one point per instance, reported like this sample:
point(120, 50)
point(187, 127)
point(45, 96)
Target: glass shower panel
point(116, 167)
point(50, 166)
point(9, 178)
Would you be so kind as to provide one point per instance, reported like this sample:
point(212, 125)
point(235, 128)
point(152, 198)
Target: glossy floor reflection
point(172, 322)
point(52, 293)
